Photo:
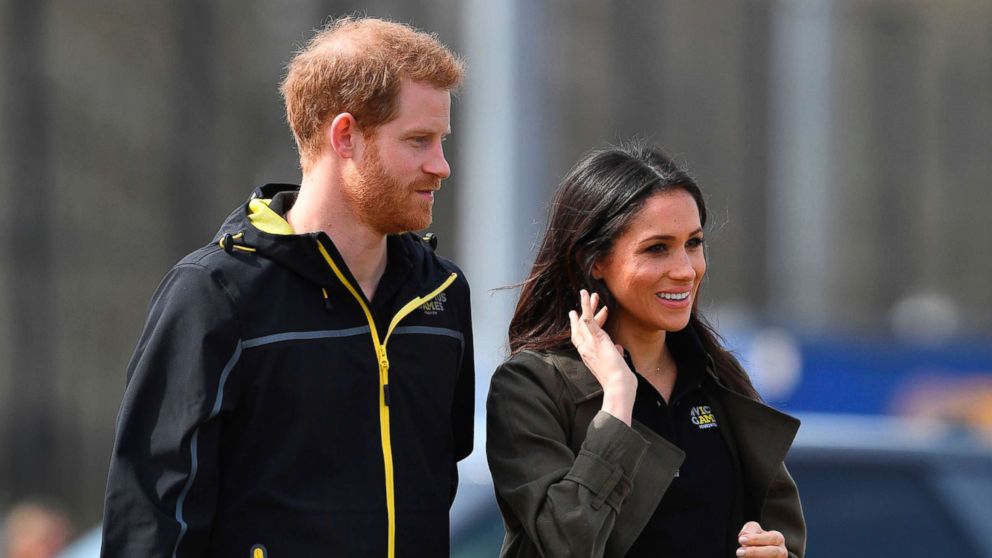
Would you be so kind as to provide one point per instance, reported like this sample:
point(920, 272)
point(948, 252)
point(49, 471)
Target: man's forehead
point(424, 105)
point(424, 92)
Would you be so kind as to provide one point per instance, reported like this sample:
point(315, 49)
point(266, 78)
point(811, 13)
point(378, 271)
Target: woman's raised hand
point(603, 358)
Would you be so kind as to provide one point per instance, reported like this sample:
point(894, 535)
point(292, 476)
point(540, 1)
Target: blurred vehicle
point(86, 546)
point(870, 486)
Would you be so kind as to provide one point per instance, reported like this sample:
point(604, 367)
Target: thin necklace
point(656, 369)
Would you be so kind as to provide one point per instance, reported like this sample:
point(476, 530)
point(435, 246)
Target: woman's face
point(655, 267)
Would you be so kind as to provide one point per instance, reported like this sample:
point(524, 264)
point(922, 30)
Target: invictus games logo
point(434, 305)
point(702, 417)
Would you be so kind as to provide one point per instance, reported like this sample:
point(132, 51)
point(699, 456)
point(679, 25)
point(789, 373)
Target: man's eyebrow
point(426, 132)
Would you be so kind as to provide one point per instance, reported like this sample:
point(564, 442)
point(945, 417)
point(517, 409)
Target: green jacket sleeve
point(783, 512)
point(566, 503)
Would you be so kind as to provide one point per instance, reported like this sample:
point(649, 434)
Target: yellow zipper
point(383, 358)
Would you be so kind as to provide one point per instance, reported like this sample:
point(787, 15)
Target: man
point(304, 384)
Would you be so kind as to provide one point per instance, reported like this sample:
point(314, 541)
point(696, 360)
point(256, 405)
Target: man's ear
point(342, 134)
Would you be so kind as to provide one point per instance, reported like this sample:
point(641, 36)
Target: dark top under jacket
point(696, 517)
point(271, 410)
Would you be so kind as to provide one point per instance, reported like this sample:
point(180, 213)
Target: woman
point(624, 428)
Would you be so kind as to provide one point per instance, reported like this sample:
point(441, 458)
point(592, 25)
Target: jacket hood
point(259, 227)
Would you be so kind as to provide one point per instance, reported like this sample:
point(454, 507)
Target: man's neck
point(322, 207)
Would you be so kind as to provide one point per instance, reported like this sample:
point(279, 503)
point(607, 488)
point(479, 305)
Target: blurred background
point(845, 148)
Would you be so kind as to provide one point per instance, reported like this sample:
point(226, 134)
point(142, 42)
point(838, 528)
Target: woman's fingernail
point(742, 540)
point(741, 552)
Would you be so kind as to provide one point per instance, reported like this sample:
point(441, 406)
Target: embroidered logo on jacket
point(702, 416)
point(434, 305)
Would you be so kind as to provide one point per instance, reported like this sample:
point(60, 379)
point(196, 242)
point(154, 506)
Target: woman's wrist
point(618, 398)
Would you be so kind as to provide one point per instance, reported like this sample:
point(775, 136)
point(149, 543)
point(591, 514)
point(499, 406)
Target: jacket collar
point(259, 226)
point(585, 386)
point(762, 434)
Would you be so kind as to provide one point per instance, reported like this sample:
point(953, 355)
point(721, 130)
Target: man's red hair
point(356, 65)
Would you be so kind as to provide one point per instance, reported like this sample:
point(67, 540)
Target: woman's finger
point(751, 527)
point(573, 321)
point(585, 303)
point(763, 538)
point(580, 325)
point(762, 552)
point(601, 317)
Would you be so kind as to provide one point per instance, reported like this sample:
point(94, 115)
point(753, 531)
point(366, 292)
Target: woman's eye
point(694, 242)
point(657, 248)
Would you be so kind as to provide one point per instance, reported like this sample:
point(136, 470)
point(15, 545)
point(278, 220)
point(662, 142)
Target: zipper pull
point(383, 359)
point(384, 369)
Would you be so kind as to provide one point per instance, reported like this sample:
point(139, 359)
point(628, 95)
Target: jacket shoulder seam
point(221, 280)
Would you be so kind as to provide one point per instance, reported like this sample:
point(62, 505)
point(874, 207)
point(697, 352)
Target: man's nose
point(437, 165)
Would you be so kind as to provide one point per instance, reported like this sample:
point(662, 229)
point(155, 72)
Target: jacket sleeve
point(566, 503)
point(463, 405)
point(783, 512)
point(163, 482)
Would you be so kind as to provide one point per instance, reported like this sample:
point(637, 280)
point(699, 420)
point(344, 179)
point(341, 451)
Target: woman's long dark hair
point(593, 206)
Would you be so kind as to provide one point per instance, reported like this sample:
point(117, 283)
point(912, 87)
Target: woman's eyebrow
point(670, 237)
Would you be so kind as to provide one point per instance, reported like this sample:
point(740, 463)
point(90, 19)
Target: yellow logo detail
point(702, 416)
point(434, 305)
point(258, 551)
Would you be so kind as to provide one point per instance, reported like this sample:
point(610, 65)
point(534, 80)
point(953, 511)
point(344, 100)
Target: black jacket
point(272, 411)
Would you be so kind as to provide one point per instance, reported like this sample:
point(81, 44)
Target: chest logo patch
point(702, 416)
point(434, 305)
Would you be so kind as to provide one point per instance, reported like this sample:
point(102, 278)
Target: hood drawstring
point(229, 244)
point(327, 300)
point(430, 239)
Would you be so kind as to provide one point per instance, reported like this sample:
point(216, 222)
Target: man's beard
point(385, 204)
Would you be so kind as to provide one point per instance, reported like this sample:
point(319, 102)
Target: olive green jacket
point(572, 480)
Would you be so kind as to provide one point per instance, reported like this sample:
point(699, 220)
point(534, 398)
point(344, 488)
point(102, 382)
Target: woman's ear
point(582, 257)
point(597, 271)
